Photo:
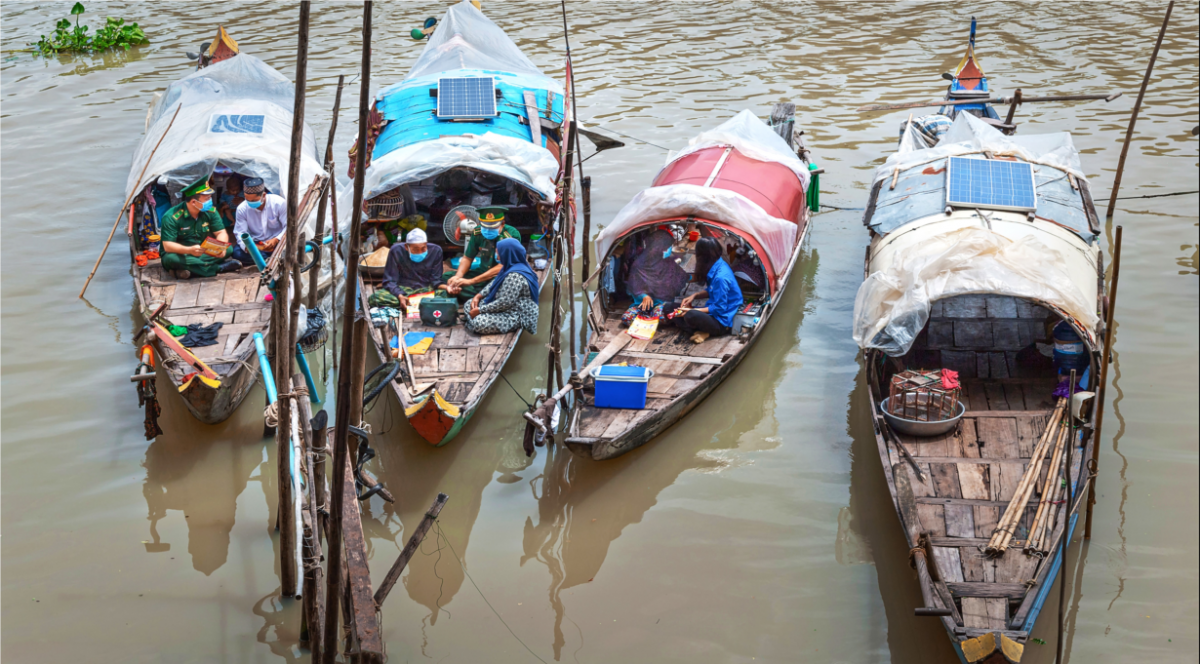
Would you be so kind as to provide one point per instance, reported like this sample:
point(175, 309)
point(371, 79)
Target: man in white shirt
point(263, 216)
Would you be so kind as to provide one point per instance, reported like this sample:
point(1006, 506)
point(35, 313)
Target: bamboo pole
point(314, 274)
point(333, 256)
point(1109, 333)
point(351, 372)
point(1062, 574)
point(1048, 490)
point(1137, 107)
point(990, 100)
point(586, 182)
point(1016, 507)
point(410, 548)
point(314, 606)
point(285, 334)
point(121, 214)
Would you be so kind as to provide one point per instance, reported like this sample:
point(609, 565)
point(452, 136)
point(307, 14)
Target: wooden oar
point(171, 342)
point(541, 417)
point(127, 202)
point(989, 100)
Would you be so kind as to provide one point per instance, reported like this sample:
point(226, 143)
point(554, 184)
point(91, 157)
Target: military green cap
point(492, 217)
point(198, 188)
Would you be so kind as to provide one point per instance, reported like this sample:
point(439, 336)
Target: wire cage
point(386, 206)
point(921, 396)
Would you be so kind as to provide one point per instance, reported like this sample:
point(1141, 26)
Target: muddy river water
point(758, 529)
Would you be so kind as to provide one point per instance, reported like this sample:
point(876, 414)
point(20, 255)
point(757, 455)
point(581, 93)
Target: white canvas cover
point(754, 139)
point(892, 305)
point(777, 236)
point(241, 85)
point(466, 39)
point(970, 135)
point(517, 160)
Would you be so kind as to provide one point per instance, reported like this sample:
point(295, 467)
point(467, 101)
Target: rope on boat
point(1177, 193)
point(271, 412)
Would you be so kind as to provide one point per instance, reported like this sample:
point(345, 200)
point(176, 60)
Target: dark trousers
point(242, 256)
point(696, 321)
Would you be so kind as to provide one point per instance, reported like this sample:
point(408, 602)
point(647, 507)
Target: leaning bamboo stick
point(1016, 507)
point(1049, 486)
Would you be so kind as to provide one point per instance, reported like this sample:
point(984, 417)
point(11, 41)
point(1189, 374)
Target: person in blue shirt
point(721, 289)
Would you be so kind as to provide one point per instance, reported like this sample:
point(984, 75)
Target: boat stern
point(436, 419)
point(991, 648)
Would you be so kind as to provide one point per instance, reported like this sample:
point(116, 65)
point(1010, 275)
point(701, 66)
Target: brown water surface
point(759, 529)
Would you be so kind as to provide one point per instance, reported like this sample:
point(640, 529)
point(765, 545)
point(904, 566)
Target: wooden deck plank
point(986, 519)
point(491, 339)
point(595, 420)
point(211, 292)
point(1029, 430)
point(1016, 567)
point(975, 395)
point(240, 291)
point(231, 343)
point(977, 566)
point(920, 489)
point(949, 565)
point(933, 519)
point(1015, 397)
point(960, 521)
point(641, 355)
point(451, 360)
point(974, 612)
point(185, 295)
point(160, 294)
point(968, 439)
point(997, 610)
point(966, 589)
point(945, 480)
point(995, 396)
point(250, 315)
point(973, 481)
point(997, 438)
point(1010, 478)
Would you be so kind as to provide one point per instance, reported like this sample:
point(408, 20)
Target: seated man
point(263, 216)
point(466, 282)
point(414, 266)
point(185, 226)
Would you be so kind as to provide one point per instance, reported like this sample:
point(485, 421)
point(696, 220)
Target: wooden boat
point(977, 290)
point(969, 82)
point(744, 184)
point(234, 115)
point(502, 158)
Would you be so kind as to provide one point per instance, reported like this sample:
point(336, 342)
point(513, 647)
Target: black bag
point(439, 311)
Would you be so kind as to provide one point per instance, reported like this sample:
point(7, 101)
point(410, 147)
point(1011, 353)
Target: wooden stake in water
point(1109, 332)
point(1066, 512)
point(1137, 106)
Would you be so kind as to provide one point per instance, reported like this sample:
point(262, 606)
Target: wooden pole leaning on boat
point(1062, 574)
point(128, 201)
point(541, 417)
point(990, 100)
point(313, 434)
point(410, 548)
point(1137, 107)
point(328, 164)
point(1007, 525)
point(1109, 333)
point(350, 373)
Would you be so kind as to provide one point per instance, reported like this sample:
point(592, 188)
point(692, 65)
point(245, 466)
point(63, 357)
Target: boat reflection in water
point(603, 498)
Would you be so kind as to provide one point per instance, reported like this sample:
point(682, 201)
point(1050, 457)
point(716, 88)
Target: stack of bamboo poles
point(1053, 437)
point(1053, 496)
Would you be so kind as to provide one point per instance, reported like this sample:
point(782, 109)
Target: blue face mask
point(206, 205)
point(254, 204)
point(417, 258)
point(490, 233)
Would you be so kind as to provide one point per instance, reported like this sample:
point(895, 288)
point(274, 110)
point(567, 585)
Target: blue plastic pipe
point(252, 249)
point(308, 379)
point(265, 366)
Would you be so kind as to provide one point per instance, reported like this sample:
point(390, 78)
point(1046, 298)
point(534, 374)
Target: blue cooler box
point(621, 387)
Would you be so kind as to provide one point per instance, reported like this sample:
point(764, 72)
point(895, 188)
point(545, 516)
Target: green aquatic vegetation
point(75, 38)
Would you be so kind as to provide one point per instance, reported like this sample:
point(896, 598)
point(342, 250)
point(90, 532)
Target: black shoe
point(231, 265)
point(183, 274)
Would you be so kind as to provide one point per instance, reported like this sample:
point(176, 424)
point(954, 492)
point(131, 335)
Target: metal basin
point(918, 428)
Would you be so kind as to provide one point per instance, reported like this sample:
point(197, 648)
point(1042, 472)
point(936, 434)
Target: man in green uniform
point(466, 282)
point(185, 226)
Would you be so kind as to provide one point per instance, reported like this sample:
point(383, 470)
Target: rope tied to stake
point(271, 412)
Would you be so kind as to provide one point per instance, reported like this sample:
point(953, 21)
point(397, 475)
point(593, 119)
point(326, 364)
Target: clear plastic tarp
point(466, 39)
point(753, 138)
point(892, 306)
point(970, 135)
point(237, 112)
point(776, 236)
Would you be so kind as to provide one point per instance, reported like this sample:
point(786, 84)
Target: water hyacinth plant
point(68, 38)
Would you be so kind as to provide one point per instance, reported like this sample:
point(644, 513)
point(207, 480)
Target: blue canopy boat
point(474, 124)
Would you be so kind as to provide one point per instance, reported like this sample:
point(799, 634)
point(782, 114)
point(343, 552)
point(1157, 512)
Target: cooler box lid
point(618, 374)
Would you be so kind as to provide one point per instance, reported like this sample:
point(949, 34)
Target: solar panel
point(990, 183)
point(466, 98)
point(236, 124)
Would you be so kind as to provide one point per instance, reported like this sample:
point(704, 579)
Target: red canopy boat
point(743, 184)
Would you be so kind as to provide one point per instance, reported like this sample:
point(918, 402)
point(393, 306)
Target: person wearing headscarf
point(652, 277)
point(720, 287)
point(510, 301)
point(263, 216)
point(414, 266)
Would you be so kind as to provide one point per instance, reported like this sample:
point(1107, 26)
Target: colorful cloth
point(383, 298)
point(418, 342)
point(636, 310)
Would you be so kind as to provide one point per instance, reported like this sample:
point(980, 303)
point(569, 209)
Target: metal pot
point(919, 428)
